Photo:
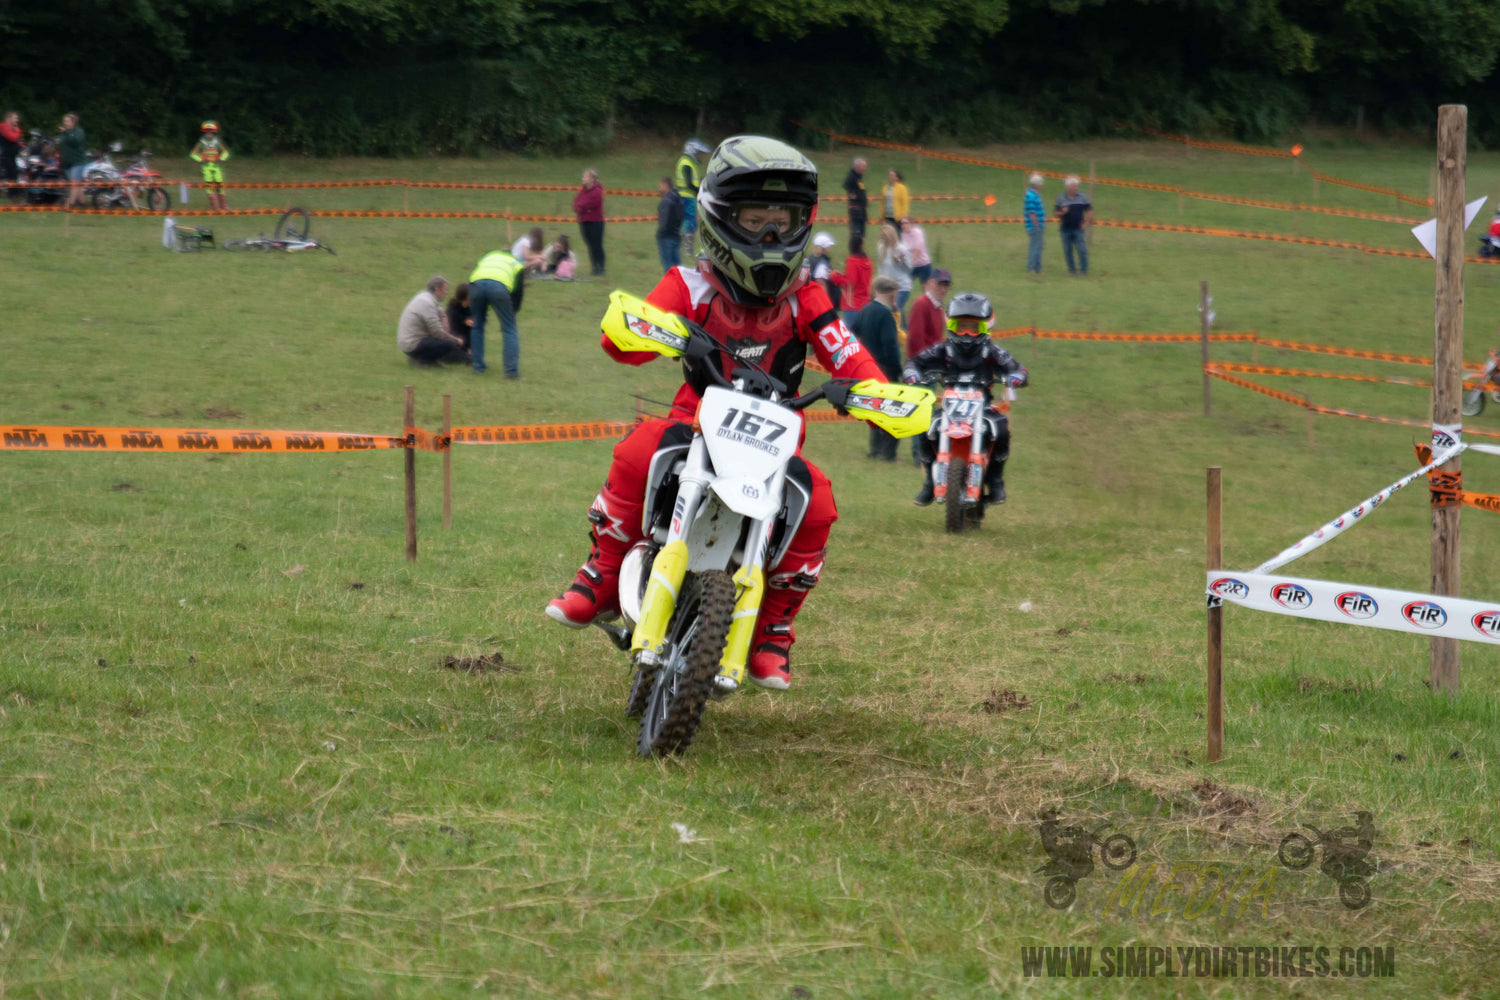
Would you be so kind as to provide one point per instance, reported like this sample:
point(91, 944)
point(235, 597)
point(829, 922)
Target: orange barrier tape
point(1226, 147)
point(162, 439)
point(1233, 366)
point(530, 433)
point(1345, 352)
point(321, 213)
point(1294, 153)
point(1213, 371)
point(1446, 488)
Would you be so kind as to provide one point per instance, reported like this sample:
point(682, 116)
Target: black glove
point(699, 359)
point(836, 391)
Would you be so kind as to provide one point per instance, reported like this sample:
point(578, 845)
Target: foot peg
point(618, 634)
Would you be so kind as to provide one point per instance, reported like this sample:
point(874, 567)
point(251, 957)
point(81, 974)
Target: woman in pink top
point(588, 205)
point(915, 241)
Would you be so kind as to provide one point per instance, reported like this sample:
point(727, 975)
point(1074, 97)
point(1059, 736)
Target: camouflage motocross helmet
point(756, 208)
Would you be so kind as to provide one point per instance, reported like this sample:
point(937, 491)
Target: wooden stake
point(409, 419)
point(1307, 405)
point(1215, 712)
point(507, 225)
point(447, 464)
point(1447, 361)
point(405, 207)
point(1203, 328)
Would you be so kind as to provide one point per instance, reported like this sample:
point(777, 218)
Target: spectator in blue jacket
point(669, 217)
point(1035, 214)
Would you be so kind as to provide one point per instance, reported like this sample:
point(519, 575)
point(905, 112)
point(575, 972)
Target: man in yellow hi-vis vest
point(686, 177)
point(498, 281)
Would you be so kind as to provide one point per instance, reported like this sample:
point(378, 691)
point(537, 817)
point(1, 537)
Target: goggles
point(969, 326)
point(757, 220)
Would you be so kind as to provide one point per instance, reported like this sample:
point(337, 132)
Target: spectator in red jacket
point(10, 148)
point(588, 205)
point(855, 281)
point(928, 323)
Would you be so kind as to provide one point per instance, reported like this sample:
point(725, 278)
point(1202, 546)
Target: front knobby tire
point(293, 224)
point(675, 707)
point(953, 513)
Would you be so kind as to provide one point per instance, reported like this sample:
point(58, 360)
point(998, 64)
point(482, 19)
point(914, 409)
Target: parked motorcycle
point(963, 434)
point(719, 511)
point(146, 183)
point(40, 168)
point(1472, 404)
point(105, 184)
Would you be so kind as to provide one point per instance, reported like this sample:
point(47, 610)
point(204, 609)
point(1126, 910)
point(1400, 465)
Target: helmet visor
point(969, 326)
point(767, 222)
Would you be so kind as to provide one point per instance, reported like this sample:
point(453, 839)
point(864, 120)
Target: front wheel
point(953, 508)
point(292, 225)
point(695, 644)
point(103, 198)
point(1117, 852)
point(155, 199)
point(1473, 403)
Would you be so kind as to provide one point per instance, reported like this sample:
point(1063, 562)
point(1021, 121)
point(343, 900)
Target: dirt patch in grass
point(125, 488)
point(1005, 701)
point(1220, 801)
point(490, 663)
point(221, 413)
point(1117, 678)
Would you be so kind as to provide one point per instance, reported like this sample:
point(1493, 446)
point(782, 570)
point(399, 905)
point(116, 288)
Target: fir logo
point(1292, 595)
point(1354, 604)
point(1425, 614)
point(1228, 586)
point(1487, 623)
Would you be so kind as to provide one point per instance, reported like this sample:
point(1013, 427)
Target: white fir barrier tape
point(1352, 604)
point(1354, 515)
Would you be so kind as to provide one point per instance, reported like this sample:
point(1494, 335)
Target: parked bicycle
point(290, 236)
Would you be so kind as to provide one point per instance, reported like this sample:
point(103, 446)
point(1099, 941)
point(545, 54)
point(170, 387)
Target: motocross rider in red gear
point(756, 208)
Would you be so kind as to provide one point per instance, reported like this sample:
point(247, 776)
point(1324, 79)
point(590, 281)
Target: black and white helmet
point(967, 340)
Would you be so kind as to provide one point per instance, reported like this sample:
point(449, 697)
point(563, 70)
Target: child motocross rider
point(210, 152)
point(968, 348)
point(757, 203)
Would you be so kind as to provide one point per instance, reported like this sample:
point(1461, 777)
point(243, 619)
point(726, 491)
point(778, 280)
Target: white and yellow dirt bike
point(723, 502)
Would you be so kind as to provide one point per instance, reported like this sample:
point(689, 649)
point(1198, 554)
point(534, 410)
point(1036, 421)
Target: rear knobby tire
point(958, 470)
point(684, 712)
point(155, 199)
point(293, 224)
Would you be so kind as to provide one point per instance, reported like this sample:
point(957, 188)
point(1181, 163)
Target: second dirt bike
point(720, 511)
point(1472, 404)
point(963, 433)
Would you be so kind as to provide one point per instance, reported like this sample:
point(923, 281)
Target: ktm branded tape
point(1357, 604)
point(165, 439)
point(531, 433)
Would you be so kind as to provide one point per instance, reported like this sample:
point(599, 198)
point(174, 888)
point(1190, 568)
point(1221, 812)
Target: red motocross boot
point(771, 645)
point(594, 593)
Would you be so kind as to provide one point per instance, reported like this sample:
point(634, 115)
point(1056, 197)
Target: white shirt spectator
point(422, 317)
point(915, 241)
point(521, 249)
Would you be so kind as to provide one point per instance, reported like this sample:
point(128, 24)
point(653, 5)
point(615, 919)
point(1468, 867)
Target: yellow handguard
point(899, 410)
point(633, 324)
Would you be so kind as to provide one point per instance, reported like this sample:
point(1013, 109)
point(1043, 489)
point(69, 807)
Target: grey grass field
point(234, 763)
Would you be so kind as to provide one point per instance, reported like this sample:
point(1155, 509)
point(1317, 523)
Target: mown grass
point(234, 764)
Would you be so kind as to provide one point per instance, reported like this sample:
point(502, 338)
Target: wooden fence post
point(409, 419)
point(1447, 362)
point(1215, 712)
point(1203, 329)
point(448, 463)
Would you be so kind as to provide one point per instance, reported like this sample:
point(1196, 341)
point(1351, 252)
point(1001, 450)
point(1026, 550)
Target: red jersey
point(774, 337)
point(926, 327)
point(855, 281)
